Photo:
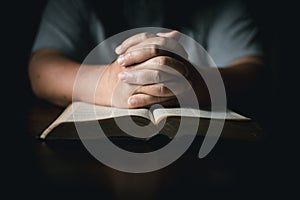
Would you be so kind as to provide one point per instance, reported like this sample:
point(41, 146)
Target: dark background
point(278, 21)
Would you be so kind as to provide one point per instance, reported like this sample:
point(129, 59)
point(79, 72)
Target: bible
point(158, 120)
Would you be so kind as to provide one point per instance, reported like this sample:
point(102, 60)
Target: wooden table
point(67, 168)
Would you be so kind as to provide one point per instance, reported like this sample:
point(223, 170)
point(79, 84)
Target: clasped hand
point(150, 69)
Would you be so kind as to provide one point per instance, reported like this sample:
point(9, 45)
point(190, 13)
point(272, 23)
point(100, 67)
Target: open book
point(63, 127)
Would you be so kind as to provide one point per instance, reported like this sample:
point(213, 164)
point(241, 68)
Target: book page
point(80, 112)
point(162, 113)
point(87, 112)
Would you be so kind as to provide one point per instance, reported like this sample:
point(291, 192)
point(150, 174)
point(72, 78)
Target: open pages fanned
point(80, 112)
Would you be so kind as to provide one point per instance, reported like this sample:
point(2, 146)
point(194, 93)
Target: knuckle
point(154, 49)
point(128, 56)
point(161, 89)
point(162, 60)
point(144, 35)
point(156, 76)
point(161, 41)
point(133, 78)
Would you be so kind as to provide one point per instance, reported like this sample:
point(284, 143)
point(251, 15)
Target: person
point(70, 29)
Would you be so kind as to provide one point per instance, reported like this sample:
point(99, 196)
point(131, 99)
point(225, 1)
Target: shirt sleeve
point(233, 34)
point(64, 27)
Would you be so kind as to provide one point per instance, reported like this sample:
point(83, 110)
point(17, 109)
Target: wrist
point(86, 85)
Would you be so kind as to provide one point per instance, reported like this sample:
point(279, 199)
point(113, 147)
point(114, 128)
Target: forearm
point(241, 79)
point(53, 75)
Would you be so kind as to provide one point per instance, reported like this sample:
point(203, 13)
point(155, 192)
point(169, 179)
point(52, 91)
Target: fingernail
point(121, 60)
point(118, 49)
point(132, 101)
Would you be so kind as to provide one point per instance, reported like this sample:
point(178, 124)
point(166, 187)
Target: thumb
point(172, 34)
